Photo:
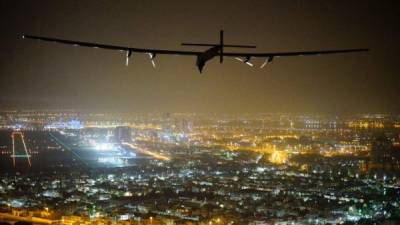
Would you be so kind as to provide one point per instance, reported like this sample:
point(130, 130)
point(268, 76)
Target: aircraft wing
point(202, 56)
point(304, 53)
point(112, 47)
point(194, 53)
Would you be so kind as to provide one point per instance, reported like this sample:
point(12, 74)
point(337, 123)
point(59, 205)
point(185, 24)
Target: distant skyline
point(38, 75)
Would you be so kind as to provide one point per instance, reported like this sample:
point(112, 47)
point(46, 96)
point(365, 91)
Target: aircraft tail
point(221, 45)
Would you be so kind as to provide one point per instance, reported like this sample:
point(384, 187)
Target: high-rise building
point(381, 150)
point(122, 134)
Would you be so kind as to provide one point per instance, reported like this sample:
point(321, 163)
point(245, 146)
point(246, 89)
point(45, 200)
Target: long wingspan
point(202, 57)
point(305, 53)
point(173, 52)
point(111, 47)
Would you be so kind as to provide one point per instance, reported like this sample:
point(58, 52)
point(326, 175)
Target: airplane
point(202, 56)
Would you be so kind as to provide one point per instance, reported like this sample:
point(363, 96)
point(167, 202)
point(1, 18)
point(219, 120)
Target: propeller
point(152, 56)
point(128, 55)
point(267, 60)
point(245, 60)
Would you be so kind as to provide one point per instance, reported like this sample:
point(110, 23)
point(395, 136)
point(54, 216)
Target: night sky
point(38, 75)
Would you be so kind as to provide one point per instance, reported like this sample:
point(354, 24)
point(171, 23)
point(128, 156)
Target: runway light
point(103, 146)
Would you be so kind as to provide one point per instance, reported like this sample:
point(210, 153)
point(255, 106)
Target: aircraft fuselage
point(207, 55)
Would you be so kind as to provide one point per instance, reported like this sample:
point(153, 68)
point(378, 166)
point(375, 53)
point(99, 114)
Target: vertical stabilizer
point(221, 43)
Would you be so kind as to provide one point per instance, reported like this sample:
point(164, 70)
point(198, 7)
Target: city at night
point(257, 112)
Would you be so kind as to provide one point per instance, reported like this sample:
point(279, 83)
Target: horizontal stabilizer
point(213, 45)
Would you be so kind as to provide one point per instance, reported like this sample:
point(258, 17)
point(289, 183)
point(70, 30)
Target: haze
point(45, 75)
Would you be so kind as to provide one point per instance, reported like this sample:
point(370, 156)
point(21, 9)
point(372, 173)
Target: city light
point(278, 157)
point(147, 152)
point(148, 160)
point(231, 112)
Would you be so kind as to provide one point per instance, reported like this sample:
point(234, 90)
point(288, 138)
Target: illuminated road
point(65, 146)
point(147, 152)
point(29, 219)
point(26, 155)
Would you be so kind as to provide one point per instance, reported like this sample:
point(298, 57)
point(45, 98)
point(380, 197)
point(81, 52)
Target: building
point(122, 134)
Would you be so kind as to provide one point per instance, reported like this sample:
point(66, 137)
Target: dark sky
point(47, 75)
